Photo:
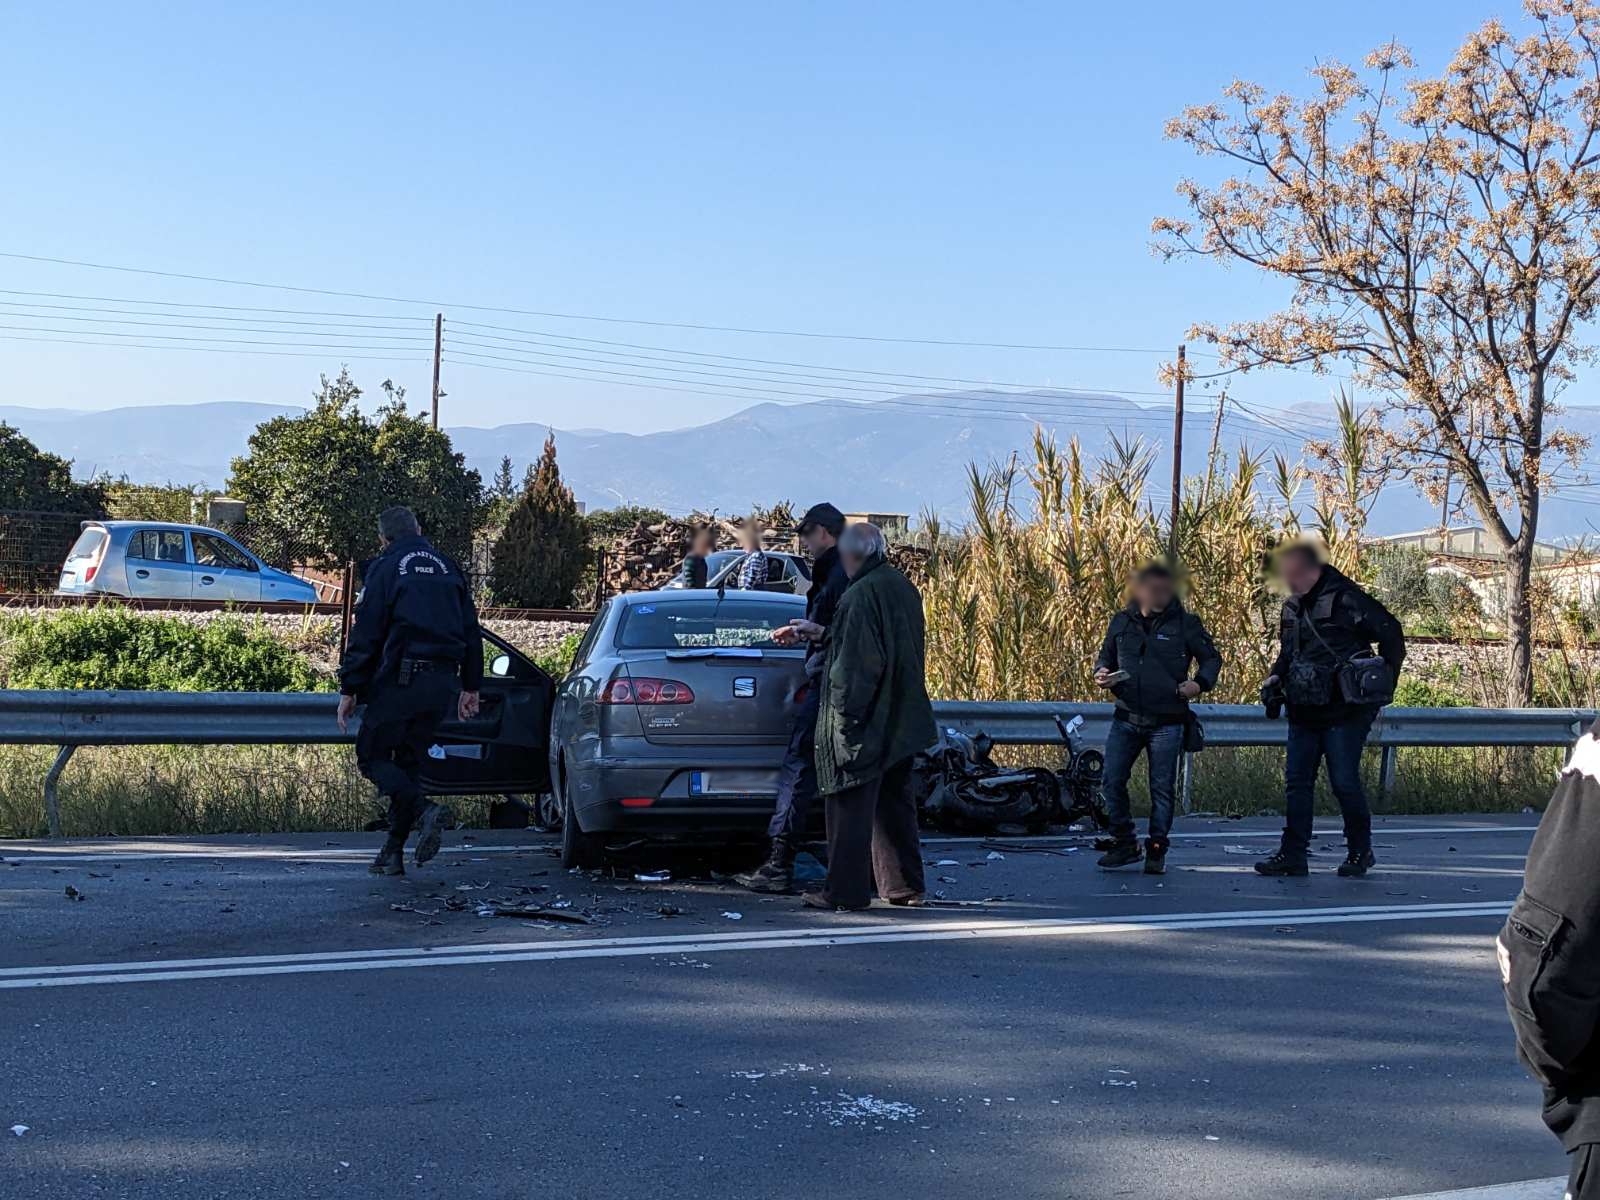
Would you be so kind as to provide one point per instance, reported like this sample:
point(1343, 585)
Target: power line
point(182, 338)
point(322, 354)
point(56, 309)
point(566, 316)
point(32, 316)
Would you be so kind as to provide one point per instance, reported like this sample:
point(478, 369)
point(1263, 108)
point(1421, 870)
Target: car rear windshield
point(686, 624)
point(87, 545)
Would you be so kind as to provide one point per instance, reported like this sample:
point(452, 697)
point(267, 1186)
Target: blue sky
point(914, 170)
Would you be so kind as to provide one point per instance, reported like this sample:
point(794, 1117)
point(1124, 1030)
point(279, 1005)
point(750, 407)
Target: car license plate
point(733, 783)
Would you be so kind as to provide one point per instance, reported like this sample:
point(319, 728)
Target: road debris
point(946, 862)
point(671, 910)
point(536, 912)
point(733, 916)
point(994, 856)
point(653, 877)
point(74, 894)
point(19, 1130)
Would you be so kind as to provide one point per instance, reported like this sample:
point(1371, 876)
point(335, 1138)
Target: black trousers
point(797, 778)
point(1584, 1181)
point(872, 836)
point(1339, 746)
point(396, 731)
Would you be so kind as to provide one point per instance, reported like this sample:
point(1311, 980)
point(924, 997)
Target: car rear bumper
point(651, 796)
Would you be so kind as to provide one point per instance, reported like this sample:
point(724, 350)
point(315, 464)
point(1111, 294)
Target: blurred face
point(1152, 593)
point(750, 537)
point(701, 542)
point(1299, 572)
point(817, 540)
point(850, 562)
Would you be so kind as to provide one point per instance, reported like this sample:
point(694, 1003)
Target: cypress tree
point(545, 545)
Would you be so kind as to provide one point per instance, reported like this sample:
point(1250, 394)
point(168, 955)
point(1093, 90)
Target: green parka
point(874, 710)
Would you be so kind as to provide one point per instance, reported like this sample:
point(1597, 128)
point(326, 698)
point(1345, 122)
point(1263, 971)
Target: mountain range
point(901, 455)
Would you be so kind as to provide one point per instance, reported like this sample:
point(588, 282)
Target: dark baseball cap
point(825, 515)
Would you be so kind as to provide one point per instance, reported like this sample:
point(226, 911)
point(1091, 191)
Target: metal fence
point(72, 719)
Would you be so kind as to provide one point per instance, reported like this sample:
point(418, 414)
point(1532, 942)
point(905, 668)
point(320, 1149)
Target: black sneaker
point(1155, 860)
point(391, 859)
point(430, 829)
point(1356, 864)
point(1283, 864)
point(1123, 854)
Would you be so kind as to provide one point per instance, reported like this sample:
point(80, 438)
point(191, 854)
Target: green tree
point(315, 484)
point(36, 480)
point(500, 495)
point(544, 549)
point(606, 524)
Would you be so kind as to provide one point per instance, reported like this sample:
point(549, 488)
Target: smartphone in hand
point(1111, 679)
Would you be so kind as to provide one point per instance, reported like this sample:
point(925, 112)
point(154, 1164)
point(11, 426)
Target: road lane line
point(1532, 1189)
point(350, 854)
point(782, 939)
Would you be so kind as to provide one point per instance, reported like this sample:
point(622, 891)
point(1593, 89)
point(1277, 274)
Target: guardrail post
point(1386, 770)
point(1188, 784)
point(52, 802)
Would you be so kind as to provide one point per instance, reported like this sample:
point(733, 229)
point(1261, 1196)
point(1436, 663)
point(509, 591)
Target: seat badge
point(744, 687)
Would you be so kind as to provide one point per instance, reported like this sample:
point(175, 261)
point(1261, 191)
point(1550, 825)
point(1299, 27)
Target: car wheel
point(578, 849)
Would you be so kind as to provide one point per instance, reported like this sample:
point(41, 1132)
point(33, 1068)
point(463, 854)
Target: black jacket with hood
point(1157, 652)
point(1549, 952)
point(1349, 622)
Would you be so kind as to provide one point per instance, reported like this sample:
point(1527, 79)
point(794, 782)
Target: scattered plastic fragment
point(995, 856)
point(947, 862)
point(535, 912)
point(19, 1130)
point(653, 877)
point(74, 894)
point(733, 916)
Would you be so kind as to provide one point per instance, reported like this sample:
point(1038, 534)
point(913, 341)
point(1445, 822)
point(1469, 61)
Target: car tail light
point(646, 690)
point(99, 557)
point(637, 801)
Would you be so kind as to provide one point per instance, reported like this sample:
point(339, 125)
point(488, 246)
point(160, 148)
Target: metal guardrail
point(29, 600)
point(72, 719)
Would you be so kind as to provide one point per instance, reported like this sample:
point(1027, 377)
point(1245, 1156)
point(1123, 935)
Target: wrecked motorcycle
point(960, 787)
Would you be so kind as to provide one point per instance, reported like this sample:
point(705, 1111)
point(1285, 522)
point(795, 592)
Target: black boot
point(1356, 864)
point(776, 875)
point(430, 829)
point(1155, 857)
point(391, 858)
point(1283, 863)
point(1123, 854)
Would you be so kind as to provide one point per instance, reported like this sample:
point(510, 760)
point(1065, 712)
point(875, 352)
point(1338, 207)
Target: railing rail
point(84, 718)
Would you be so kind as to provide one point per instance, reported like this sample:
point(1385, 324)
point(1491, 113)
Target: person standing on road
point(1145, 663)
point(1333, 687)
point(753, 566)
point(415, 632)
point(873, 716)
point(797, 778)
point(1549, 953)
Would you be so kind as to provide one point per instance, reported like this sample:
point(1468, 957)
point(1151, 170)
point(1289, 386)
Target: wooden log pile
point(648, 556)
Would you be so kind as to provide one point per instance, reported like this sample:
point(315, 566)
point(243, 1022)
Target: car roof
point(173, 525)
point(731, 596)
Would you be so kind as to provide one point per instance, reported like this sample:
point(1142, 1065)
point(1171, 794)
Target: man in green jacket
point(874, 716)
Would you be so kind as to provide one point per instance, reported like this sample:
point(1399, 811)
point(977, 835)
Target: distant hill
point(899, 455)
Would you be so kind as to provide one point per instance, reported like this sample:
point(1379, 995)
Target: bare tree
point(1440, 236)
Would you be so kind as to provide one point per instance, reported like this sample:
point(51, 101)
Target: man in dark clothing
point(1145, 662)
point(1549, 954)
point(874, 715)
point(797, 778)
point(1326, 622)
point(415, 632)
point(702, 544)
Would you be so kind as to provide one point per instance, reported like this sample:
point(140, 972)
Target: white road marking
point(66, 856)
point(157, 971)
point(1532, 1189)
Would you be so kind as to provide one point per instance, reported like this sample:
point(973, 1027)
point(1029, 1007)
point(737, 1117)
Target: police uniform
point(413, 646)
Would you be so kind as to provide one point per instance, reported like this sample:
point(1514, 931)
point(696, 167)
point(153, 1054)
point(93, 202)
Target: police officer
point(1326, 623)
point(415, 658)
point(1549, 955)
point(1145, 662)
point(797, 778)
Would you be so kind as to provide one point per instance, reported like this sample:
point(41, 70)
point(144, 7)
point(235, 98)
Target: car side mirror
point(501, 665)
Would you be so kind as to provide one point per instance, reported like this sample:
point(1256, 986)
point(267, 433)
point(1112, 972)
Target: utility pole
point(1444, 516)
point(1177, 456)
point(438, 350)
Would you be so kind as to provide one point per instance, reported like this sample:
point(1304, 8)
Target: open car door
point(506, 747)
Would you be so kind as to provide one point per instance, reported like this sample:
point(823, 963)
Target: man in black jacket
point(1145, 662)
point(1549, 954)
point(415, 632)
point(1326, 622)
point(797, 778)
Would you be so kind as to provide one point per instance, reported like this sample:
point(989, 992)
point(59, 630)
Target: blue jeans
point(797, 778)
point(1163, 746)
point(1340, 746)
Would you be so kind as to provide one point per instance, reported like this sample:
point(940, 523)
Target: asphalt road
point(260, 1018)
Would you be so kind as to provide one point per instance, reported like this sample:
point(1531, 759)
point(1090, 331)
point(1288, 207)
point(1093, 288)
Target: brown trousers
point(872, 835)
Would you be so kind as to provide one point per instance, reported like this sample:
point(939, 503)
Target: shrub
point(557, 661)
point(105, 648)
